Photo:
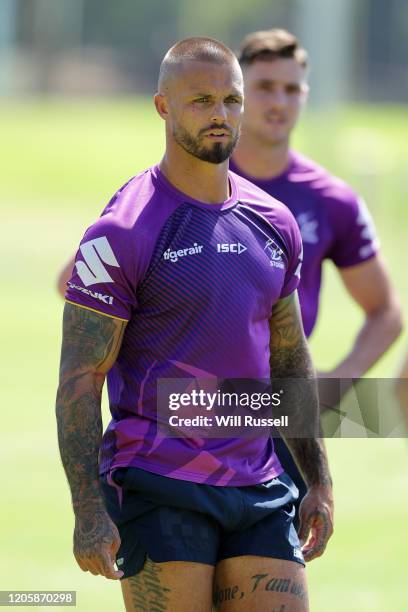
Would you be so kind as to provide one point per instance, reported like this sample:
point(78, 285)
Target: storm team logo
point(274, 253)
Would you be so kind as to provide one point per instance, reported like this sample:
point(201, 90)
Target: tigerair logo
point(174, 256)
point(95, 253)
point(275, 254)
point(236, 247)
point(106, 299)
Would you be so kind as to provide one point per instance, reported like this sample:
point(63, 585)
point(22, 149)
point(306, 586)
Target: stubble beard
point(216, 154)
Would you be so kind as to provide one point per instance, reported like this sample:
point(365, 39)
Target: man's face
point(205, 103)
point(275, 91)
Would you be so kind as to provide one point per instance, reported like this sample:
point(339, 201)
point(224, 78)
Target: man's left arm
point(291, 363)
point(64, 276)
point(401, 390)
point(369, 285)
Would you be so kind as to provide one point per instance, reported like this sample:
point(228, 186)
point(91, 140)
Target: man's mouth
point(275, 119)
point(215, 134)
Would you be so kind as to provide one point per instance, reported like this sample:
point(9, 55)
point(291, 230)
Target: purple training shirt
point(334, 222)
point(197, 283)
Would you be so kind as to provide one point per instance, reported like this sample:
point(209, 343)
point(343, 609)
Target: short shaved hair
point(199, 49)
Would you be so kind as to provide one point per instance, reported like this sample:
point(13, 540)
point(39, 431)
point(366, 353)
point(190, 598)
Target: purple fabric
point(334, 222)
point(197, 284)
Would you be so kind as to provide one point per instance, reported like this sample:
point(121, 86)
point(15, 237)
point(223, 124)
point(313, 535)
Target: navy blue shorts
point(288, 464)
point(177, 520)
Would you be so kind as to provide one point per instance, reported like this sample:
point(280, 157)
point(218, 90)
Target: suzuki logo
point(92, 271)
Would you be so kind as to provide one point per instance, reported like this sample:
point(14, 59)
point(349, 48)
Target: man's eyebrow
point(264, 81)
point(201, 94)
point(273, 81)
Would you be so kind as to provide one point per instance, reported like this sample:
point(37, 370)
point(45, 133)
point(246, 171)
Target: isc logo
point(231, 248)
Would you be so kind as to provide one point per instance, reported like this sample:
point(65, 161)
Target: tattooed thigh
point(174, 586)
point(251, 583)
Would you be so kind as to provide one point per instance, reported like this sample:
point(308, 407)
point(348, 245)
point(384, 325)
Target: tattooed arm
point(290, 362)
point(90, 345)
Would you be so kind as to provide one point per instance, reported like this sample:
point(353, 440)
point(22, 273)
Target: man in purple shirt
point(190, 274)
point(334, 222)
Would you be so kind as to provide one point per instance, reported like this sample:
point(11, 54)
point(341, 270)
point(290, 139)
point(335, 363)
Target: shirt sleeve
point(294, 258)
point(103, 277)
point(355, 239)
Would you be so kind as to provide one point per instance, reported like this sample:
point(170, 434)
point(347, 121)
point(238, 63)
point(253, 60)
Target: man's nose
point(278, 98)
point(219, 113)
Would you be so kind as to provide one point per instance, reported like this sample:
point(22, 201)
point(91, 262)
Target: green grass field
point(62, 162)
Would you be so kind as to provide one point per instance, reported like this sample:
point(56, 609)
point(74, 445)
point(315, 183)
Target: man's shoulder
point(131, 197)
point(136, 206)
point(273, 211)
point(311, 176)
point(259, 200)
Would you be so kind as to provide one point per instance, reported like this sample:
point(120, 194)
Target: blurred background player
point(334, 221)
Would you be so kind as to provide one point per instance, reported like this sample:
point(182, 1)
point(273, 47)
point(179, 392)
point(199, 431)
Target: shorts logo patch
point(120, 561)
point(92, 271)
point(297, 552)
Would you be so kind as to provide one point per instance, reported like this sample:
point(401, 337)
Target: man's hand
point(96, 542)
point(316, 521)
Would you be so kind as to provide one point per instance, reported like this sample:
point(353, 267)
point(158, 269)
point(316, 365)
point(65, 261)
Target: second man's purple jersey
point(334, 222)
point(197, 284)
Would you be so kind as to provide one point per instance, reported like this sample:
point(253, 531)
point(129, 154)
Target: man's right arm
point(90, 345)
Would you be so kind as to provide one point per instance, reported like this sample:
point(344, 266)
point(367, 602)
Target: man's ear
point(160, 103)
point(305, 93)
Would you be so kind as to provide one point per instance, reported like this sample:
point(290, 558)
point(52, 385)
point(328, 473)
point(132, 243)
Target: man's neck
point(199, 180)
point(260, 159)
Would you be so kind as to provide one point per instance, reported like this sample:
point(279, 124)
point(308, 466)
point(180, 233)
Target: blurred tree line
point(100, 46)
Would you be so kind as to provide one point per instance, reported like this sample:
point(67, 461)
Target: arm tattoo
point(290, 362)
point(89, 349)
